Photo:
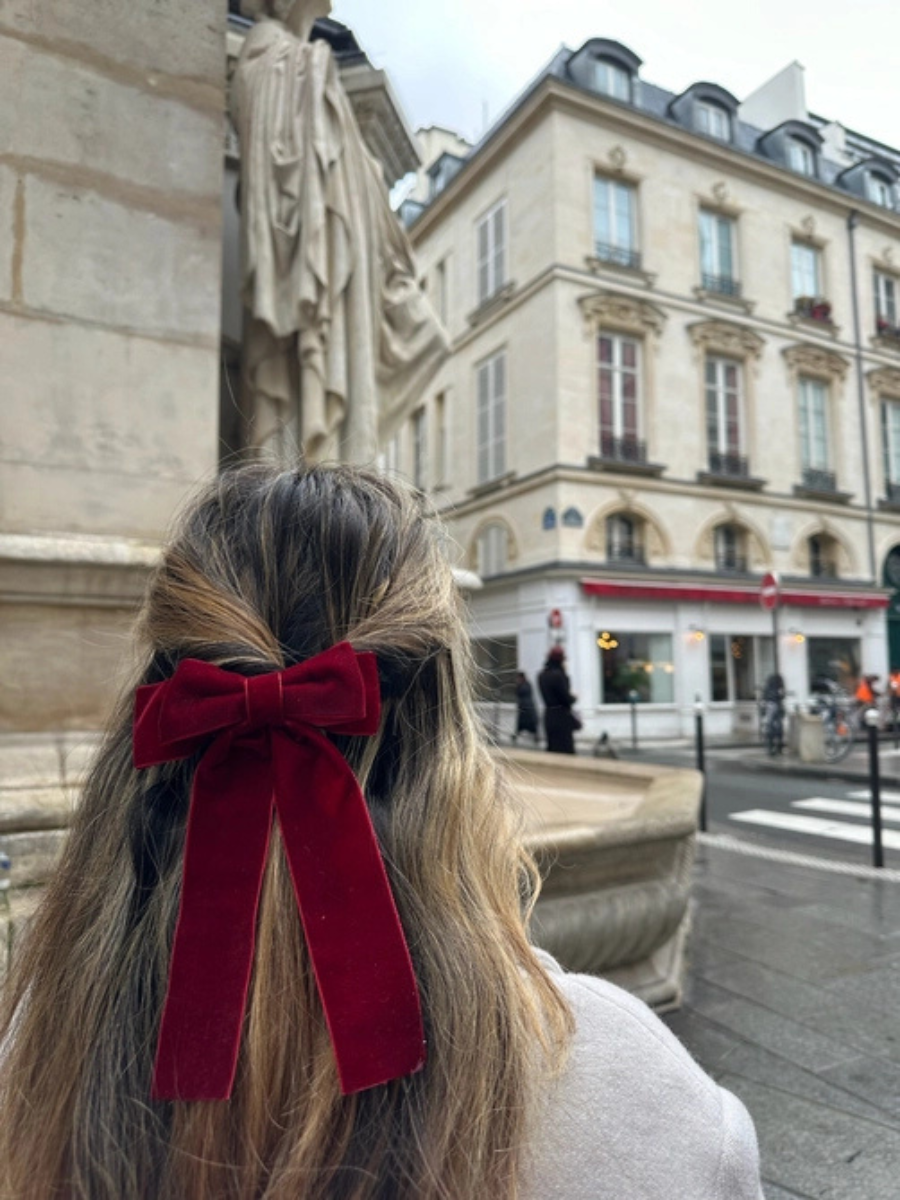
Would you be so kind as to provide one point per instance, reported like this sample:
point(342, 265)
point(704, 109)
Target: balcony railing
point(622, 256)
point(885, 329)
point(622, 449)
point(812, 308)
point(626, 555)
point(735, 563)
point(815, 480)
point(722, 285)
point(733, 465)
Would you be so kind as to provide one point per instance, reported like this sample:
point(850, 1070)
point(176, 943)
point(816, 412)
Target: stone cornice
point(885, 381)
point(726, 337)
point(806, 359)
point(616, 310)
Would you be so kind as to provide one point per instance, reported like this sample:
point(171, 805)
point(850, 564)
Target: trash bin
point(810, 735)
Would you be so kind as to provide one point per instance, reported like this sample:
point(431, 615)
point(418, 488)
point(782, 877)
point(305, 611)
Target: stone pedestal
point(810, 735)
point(616, 843)
point(110, 261)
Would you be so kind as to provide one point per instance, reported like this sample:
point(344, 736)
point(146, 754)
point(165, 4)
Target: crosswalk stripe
point(848, 808)
point(817, 826)
point(865, 794)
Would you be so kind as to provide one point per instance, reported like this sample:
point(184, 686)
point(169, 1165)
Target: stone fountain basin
point(615, 842)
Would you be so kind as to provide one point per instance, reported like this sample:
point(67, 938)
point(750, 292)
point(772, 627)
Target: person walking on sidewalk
point(773, 698)
point(560, 722)
point(526, 709)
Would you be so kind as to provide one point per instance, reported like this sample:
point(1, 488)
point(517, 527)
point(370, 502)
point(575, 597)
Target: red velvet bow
point(268, 753)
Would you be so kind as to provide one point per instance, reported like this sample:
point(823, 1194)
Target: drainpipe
point(852, 222)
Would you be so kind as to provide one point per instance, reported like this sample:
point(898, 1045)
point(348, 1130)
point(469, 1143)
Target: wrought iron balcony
point(722, 285)
point(732, 465)
point(622, 449)
point(734, 563)
point(815, 480)
point(812, 308)
point(885, 329)
point(621, 256)
point(626, 555)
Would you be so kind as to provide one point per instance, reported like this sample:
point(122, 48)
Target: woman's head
point(265, 570)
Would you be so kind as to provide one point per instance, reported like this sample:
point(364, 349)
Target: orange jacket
point(864, 692)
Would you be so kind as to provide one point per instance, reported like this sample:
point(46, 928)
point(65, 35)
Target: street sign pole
point(769, 597)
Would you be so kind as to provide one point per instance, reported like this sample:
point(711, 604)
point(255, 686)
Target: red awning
point(713, 593)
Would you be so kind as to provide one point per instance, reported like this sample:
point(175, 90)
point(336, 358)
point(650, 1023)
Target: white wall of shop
point(693, 630)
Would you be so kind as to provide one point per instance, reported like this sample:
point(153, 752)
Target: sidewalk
point(793, 1003)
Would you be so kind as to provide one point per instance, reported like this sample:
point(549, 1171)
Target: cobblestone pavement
point(793, 1003)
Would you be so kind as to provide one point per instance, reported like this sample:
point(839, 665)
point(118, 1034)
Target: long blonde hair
point(266, 570)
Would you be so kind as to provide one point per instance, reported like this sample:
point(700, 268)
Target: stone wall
point(110, 260)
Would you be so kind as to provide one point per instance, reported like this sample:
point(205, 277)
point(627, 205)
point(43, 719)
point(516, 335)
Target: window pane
point(606, 349)
point(497, 661)
point(725, 265)
point(622, 237)
point(638, 663)
point(629, 353)
point(718, 667)
point(837, 659)
point(602, 207)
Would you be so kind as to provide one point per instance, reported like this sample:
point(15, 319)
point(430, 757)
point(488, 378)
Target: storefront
point(666, 646)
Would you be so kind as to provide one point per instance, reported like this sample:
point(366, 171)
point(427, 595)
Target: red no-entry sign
point(768, 590)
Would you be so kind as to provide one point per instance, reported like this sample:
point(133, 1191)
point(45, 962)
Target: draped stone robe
point(339, 341)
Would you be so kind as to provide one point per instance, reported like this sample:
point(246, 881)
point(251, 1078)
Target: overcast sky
point(451, 63)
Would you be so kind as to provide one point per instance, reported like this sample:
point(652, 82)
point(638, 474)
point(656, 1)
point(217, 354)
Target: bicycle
point(842, 721)
point(773, 727)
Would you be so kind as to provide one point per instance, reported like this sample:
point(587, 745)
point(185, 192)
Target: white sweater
point(634, 1117)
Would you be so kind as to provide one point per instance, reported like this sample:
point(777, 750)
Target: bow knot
point(353, 933)
point(264, 700)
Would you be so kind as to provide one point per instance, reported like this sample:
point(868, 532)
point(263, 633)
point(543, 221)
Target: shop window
point(638, 663)
point(496, 661)
point(739, 665)
point(836, 660)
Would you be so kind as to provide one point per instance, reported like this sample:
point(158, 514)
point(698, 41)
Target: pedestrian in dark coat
point(526, 709)
point(560, 722)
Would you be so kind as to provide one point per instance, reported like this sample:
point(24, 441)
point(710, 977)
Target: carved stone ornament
point(612, 310)
point(804, 359)
point(618, 157)
point(808, 225)
point(888, 255)
point(724, 337)
point(720, 192)
point(885, 381)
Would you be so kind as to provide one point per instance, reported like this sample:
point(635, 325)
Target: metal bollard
point(701, 760)
point(633, 698)
point(875, 787)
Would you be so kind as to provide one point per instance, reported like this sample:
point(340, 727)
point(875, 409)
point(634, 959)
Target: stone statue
point(339, 340)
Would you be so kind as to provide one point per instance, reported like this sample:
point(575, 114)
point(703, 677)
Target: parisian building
point(675, 323)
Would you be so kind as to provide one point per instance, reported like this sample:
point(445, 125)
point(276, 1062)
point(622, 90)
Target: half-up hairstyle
point(266, 570)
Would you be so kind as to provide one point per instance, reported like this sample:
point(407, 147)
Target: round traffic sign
point(768, 590)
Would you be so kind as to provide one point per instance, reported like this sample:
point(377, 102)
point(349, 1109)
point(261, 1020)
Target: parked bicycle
point(842, 720)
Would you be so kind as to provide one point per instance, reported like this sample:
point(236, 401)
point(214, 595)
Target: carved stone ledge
point(492, 305)
point(735, 303)
point(618, 842)
point(724, 337)
point(825, 327)
point(807, 359)
point(603, 266)
point(628, 314)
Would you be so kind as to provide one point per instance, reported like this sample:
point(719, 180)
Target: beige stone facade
point(110, 259)
point(535, 513)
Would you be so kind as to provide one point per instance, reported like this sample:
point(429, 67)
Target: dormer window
point(713, 121)
point(880, 191)
point(801, 157)
point(612, 79)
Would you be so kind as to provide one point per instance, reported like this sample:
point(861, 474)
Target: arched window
point(801, 156)
point(823, 556)
point(492, 550)
point(625, 539)
point(730, 544)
